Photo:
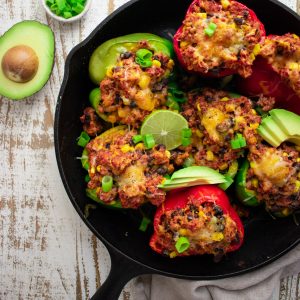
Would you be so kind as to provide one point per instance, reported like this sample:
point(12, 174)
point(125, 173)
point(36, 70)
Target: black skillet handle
point(122, 270)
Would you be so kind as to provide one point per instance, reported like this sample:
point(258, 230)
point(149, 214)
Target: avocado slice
point(288, 121)
point(26, 56)
point(191, 176)
point(282, 125)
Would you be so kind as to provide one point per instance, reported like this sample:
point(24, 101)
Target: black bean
point(190, 217)
point(239, 21)
point(126, 55)
point(162, 170)
point(107, 145)
point(218, 210)
point(133, 104)
point(118, 98)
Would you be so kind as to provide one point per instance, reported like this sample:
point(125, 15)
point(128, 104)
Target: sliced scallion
point(149, 141)
point(107, 183)
point(137, 138)
point(143, 57)
point(182, 244)
point(83, 139)
point(210, 29)
point(238, 142)
point(144, 224)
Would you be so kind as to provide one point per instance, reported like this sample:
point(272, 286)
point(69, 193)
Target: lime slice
point(166, 127)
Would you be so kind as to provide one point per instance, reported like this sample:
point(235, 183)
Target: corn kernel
point(98, 168)
point(198, 107)
point(144, 81)
point(126, 101)
point(122, 113)
point(202, 15)
point(297, 186)
point(285, 154)
point(217, 236)
point(225, 99)
point(112, 119)
point(209, 155)
point(223, 167)
point(202, 214)
point(173, 254)
point(183, 44)
point(156, 63)
point(293, 66)
point(225, 3)
point(298, 159)
point(168, 154)
point(230, 107)
point(295, 36)
point(199, 133)
point(286, 212)
point(256, 49)
point(254, 182)
point(127, 148)
point(183, 232)
point(109, 72)
point(252, 164)
point(140, 146)
point(93, 170)
point(98, 189)
point(254, 125)
point(170, 64)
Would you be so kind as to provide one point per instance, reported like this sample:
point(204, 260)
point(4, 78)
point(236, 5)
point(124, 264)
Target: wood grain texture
point(46, 251)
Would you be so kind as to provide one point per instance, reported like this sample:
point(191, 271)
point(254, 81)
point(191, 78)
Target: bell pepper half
point(276, 72)
point(245, 196)
point(106, 55)
point(239, 62)
point(177, 201)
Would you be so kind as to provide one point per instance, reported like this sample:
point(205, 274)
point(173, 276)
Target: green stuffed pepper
point(133, 73)
point(271, 176)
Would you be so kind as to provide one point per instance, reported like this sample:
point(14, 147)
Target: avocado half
point(26, 59)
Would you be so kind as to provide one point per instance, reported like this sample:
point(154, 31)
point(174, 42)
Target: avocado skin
point(40, 38)
point(282, 125)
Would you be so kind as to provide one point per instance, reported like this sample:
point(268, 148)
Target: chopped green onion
point(185, 141)
point(238, 142)
point(144, 224)
point(172, 104)
point(137, 138)
point(66, 8)
point(210, 30)
point(149, 141)
point(143, 58)
point(182, 244)
point(186, 133)
point(107, 183)
point(87, 178)
point(83, 139)
point(188, 162)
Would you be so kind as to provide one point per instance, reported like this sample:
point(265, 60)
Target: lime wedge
point(166, 127)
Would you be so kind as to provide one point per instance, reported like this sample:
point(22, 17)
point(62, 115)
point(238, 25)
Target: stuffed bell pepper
point(276, 72)
point(271, 176)
point(223, 125)
point(132, 72)
point(123, 172)
point(218, 38)
point(195, 221)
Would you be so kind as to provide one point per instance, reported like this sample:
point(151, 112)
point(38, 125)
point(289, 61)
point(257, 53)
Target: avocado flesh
point(288, 121)
point(280, 126)
point(41, 39)
point(191, 176)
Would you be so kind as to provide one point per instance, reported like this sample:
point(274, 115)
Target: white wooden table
point(46, 251)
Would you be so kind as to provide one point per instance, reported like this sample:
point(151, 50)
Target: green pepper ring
point(106, 54)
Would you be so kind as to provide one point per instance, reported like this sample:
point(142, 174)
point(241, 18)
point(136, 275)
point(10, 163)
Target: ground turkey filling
point(136, 172)
point(274, 175)
point(208, 230)
point(130, 92)
point(233, 45)
point(283, 53)
point(215, 120)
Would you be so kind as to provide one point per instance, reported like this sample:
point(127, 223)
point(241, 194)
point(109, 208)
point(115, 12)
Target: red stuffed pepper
point(218, 38)
point(195, 221)
point(276, 72)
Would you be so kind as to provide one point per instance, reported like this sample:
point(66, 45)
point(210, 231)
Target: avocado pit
point(20, 64)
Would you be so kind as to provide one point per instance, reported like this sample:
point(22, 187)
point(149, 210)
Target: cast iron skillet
point(265, 239)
